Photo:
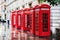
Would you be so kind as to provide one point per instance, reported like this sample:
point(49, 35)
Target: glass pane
point(14, 19)
point(28, 21)
point(19, 19)
point(36, 21)
point(45, 22)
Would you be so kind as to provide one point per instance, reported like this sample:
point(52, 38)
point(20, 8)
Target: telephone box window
point(45, 22)
point(29, 21)
point(36, 22)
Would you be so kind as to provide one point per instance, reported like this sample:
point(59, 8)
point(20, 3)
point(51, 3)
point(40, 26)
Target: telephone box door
point(37, 12)
point(18, 19)
point(13, 20)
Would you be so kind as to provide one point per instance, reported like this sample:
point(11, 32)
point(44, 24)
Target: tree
point(54, 2)
point(40, 1)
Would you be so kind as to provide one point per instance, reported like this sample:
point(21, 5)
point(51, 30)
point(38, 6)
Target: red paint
point(35, 20)
point(44, 15)
point(37, 12)
point(14, 24)
point(18, 19)
point(42, 28)
point(28, 20)
point(32, 19)
point(24, 19)
point(13, 20)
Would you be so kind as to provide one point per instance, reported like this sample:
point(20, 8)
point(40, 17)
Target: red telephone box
point(37, 12)
point(42, 20)
point(28, 20)
point(14, 24)
point(31, 21)
point(44, 23)
point(18, 19)
point(13, 20)
point(24, 19)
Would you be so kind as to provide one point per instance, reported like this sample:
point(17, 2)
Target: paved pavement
point(6, 34)
point(23, 36)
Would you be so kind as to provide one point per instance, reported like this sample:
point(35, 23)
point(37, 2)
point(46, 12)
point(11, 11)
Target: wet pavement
point(27, 36)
